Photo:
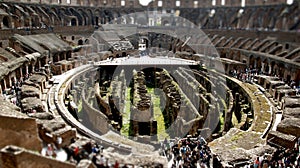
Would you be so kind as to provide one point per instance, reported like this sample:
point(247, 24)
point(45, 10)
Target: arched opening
point(258, 64)
point(73, 22)
point(166, 23)
point(2, 85)
point(5, 22)
point(80, 42)
point(30, 67)
point(44, 61)
point(252, 62)
point(272, 70)
point(97, 20)
point(55, 58)
point(68, 55)
point(265, 66)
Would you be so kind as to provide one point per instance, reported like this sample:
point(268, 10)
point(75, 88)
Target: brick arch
point(142, 19)
point(220, 20)
point(258, 19)
point(258, 63)
point(246, 20)
point(77, 14)
point(108, 16)
point(266, 62)
point(292, 23)
point(232, 17)
point(269, 18)
point(116, 14)
point(281, 19)
point(35, 18)
point(45, 18)
point(98, 16)
point(55, 19)
point(251, 61)
point(6, 21)
point(64, 13)
point(91, 16)
point(19, 16)
point(203, 18)
point(85, 16)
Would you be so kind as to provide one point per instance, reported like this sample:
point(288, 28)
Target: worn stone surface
point(291, 112)
point(38, 78)
point(290, 126)
point(292, 102)
point(84, 163)
point(16, 128)
point(41, 116)
point(30, 91)
point(51, 130)
point(238, 145)
point(32, 103)
point(284, 140)
point(13, 156)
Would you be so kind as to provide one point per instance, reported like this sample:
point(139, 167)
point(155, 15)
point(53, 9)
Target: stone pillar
point(30, 22)
point(237, 107)
point(270, 69)
point(7, 82)
point(4, 84)
point(64, 55)
point(74, 94)
point(21, 72)
point(228, 119)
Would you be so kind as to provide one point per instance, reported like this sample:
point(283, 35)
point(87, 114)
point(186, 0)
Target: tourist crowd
point(187, 152)
point(90, 151)
point(282, 158)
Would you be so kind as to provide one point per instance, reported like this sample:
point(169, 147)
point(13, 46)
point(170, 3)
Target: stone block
point(281, 139)
point(290, 126)
point(13, 156)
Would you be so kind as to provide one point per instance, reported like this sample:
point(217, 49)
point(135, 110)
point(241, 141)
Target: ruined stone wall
point(141, 107)
point(229, 15)
point(12, 156)
point(19, 131)
point(164, 3)
point(280, 36)
point(98, 120)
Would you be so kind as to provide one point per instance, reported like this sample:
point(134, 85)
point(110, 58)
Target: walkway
point(147, 60)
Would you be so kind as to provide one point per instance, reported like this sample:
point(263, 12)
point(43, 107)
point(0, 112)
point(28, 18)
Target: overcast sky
point(145, 2)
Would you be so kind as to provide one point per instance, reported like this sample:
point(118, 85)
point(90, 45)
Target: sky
point(145, 2)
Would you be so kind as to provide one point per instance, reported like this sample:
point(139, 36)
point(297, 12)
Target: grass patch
point(126, 114)
point(222, 117)
point(79, 106)
point(234, 120)
point(237, 136)
point(158, 115)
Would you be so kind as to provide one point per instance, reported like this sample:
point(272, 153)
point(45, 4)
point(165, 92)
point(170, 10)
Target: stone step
point(66, 134)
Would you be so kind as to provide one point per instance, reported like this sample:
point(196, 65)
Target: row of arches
point(279, 17)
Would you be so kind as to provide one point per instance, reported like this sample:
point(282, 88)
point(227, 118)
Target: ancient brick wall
point(22, 132)
point(13, 156)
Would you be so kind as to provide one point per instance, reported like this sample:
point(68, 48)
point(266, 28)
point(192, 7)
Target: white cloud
point(289, 1)
point(144, 2)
